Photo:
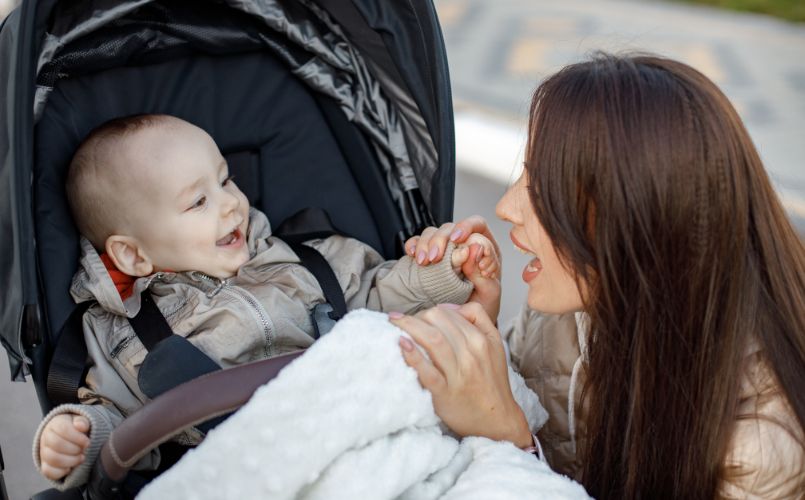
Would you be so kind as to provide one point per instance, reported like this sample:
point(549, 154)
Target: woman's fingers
point(473, 349)
point(432, 243)
point(410, 246)
point(473, 396)
point(429, 377)
point(472, 224)
point(441, 319)
point(477, 315)
point(429, 247)
point(440, 350)
point(438, 242)
point(422, 246)
point(456, 347)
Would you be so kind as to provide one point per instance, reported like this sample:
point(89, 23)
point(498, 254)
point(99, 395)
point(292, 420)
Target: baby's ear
point(128, 256)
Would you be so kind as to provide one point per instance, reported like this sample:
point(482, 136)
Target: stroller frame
point(405, 67)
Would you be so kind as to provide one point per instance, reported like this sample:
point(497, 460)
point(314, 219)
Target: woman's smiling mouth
point(534, 266)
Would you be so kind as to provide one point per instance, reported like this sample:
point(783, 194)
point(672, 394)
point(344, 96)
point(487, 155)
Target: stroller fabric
point(349, 420)
point(278, 158)
point(375, 73)
point(314, 47)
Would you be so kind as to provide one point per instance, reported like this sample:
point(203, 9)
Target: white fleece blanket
point(349, 420)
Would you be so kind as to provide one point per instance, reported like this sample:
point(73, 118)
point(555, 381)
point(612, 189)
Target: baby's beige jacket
point(261, 312)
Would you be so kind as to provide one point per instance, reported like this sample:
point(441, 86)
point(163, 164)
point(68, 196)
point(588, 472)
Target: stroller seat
point(338, 104)
point(271, 130)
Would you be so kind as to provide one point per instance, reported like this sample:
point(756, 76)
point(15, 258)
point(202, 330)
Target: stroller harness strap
point(325, 315)
point(69, 363)
point(149, 324)
point(307, 224)
point(172, 359)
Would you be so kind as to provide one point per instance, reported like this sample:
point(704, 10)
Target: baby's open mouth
point(230, 239)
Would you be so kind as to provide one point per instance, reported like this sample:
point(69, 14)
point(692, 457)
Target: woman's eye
point(228, 180)
point(199, 203)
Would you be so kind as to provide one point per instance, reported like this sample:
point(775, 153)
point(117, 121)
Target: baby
point(159, 211)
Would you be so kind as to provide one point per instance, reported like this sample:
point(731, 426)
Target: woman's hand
point(466, 373)
point(429, 247)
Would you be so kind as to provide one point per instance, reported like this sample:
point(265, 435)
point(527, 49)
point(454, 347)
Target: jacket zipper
point(250, 300)
point(122, 345)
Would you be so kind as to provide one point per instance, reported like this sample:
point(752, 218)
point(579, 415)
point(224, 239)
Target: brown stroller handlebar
point(198, 400)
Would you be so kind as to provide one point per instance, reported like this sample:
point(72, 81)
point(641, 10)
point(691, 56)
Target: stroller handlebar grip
point(182, 407)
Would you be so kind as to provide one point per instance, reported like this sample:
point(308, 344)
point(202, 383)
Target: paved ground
point(19, 416)
point(498, 51)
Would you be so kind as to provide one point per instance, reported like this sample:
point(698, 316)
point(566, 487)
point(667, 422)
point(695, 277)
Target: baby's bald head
point(102, 182)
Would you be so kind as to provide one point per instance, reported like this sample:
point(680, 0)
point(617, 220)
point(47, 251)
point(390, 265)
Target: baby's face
point(188, 214)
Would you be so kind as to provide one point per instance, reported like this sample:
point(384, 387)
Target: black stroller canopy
point(375, 66)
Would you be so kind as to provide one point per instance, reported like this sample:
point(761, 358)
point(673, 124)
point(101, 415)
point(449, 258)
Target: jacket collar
point(92, 282)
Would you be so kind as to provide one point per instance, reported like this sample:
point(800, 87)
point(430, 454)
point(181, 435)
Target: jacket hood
point(92, 282)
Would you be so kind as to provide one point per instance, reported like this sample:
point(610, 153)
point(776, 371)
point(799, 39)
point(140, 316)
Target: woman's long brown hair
point(649, 186)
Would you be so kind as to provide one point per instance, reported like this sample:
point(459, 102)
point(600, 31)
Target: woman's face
point(551, 288)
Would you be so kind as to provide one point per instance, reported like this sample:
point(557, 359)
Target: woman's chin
point(550, 305)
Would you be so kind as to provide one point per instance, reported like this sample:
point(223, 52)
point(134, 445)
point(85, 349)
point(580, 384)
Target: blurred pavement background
point(498, 52)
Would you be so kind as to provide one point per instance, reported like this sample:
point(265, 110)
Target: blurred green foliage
point(793, 10)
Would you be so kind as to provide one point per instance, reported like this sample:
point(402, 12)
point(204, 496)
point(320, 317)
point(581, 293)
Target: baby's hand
point(429, 247)
point(484, 260)
point(62, 445)
point(478, 260)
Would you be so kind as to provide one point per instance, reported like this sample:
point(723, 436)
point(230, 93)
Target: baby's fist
point(484, 260)
point(62, 445)
point(478, 260)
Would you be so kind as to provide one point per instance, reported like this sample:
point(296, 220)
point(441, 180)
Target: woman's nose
point(505, 206)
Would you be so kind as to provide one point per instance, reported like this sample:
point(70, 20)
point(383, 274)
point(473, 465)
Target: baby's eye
point(199, 203)
point(228, 180)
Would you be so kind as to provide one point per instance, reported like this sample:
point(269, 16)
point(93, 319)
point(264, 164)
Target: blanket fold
point(348, 419)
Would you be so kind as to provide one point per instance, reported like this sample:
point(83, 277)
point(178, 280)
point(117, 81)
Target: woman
point(670, 288)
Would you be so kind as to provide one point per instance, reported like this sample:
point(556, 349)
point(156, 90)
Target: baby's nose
point(231, 202)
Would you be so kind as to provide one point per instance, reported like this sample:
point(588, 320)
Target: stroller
point(339, 104)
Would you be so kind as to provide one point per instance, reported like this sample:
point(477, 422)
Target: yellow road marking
point(527, 56)
point(450, 12)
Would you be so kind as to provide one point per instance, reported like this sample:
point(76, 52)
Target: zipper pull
point(220, 286)
point(156, 277)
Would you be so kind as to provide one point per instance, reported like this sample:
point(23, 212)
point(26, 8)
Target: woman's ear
point(128, 256)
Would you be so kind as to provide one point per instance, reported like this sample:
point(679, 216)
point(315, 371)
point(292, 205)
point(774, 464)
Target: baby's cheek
point(244, 203)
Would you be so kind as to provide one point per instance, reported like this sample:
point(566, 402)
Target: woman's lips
point(534, 266)
point(519, 246)
point(532, 269)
